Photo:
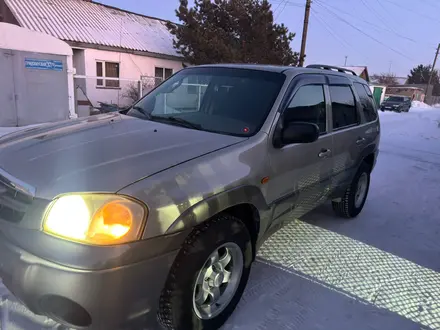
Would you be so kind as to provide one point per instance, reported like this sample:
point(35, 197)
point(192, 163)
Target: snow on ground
point(417, 105)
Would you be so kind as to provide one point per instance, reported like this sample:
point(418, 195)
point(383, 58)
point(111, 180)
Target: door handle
point(360, 141)
point(324, 153)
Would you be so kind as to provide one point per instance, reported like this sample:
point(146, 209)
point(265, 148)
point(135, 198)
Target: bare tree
point(386, 79)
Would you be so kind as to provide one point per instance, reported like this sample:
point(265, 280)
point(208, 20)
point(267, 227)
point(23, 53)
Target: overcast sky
point(377, 33)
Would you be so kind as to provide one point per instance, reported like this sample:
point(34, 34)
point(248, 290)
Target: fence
point(97, 93)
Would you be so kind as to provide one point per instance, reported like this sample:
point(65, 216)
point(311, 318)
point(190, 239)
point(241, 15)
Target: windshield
point(223, 100)
point(395, 99)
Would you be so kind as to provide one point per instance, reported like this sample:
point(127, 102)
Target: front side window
point(367, 102)
point(223, 100)
point(107, 70)
point(344, 111)
point(308, 105)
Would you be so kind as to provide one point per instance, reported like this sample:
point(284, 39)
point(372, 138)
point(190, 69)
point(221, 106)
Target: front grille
point(13, 202)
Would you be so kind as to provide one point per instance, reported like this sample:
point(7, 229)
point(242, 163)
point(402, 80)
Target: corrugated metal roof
point(93, 23)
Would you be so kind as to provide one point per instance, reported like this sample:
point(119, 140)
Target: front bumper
point(87, 299)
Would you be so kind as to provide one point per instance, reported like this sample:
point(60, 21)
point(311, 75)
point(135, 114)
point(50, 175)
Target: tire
point(177, 307)
point(349, 206)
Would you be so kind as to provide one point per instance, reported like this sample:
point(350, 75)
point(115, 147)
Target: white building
point(36, 77)
point(107, 42)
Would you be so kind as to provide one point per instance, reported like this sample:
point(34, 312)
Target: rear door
point(350, 126)
point(300, 171)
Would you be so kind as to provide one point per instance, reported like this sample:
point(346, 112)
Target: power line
point(412, 10)
point(378, 15)
point(333, 34)
point(285, 4)
point(372, 25)
point(362, 32)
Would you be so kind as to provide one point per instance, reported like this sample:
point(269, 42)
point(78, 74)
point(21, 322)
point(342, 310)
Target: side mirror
point(298, 132)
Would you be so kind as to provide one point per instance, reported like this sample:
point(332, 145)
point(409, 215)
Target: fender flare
point(207, 208)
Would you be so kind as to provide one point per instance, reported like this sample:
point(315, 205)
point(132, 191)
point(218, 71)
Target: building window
point(107, 70)
point(161, 74)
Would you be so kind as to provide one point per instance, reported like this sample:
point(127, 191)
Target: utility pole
point(432, 71)
point(304, 36)
point(345, 64)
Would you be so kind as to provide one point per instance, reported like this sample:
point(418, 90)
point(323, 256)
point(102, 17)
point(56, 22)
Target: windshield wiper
point(142, 111)
point(180, 121)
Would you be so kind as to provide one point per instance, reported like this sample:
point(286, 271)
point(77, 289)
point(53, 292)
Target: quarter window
point(308, 105)
point(344, 111)
point(366, 101)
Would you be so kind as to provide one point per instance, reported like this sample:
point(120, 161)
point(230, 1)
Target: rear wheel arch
point(369, 160)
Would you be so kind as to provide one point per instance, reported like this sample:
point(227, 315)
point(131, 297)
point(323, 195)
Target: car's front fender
point(215, 204)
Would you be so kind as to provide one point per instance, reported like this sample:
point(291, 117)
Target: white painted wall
point(131, 67)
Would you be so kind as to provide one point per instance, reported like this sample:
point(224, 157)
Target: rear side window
point(308, 105)
point(343, 107)
point(366, 101)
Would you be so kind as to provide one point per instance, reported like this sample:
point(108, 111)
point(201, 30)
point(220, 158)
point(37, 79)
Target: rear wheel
point(208, 276)
point(353, 200)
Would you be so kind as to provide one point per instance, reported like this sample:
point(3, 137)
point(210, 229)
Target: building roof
point(92, 23)
point(17, 38)
point(356, 69)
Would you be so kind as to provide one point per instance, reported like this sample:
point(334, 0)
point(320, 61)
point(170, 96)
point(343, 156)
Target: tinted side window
point(308, 105)
point(367, 102)
point(343, 106)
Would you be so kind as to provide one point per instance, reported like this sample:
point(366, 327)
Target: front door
point(300, 172)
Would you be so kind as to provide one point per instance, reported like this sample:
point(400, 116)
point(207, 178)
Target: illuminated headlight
point(99, 219)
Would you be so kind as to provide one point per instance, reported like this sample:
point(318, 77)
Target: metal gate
point(33, 88)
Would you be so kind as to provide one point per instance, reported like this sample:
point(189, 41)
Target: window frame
point(104, 76)
point(356, 107)
point(322, 85)
point(164, 70)
point(369, 95)
point(293, 85)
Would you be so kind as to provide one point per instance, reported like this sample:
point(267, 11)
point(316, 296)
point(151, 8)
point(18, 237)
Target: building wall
point(131, 67)
point(415, 94)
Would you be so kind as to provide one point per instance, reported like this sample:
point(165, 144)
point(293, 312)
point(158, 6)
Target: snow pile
point(420, 105)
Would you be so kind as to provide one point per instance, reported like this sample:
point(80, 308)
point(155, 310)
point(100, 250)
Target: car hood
point(100, 153)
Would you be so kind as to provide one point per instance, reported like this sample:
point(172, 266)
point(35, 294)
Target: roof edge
point(129, 12)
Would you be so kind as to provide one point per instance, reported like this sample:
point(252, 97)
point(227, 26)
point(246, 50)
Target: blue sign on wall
point(53, 65)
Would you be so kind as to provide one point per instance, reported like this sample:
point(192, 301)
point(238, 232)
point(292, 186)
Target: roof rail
point(329, 67)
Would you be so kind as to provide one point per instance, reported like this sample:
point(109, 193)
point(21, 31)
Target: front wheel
point(353, 200)
point(208, 276)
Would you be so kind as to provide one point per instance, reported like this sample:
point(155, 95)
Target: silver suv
point(159, 210)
